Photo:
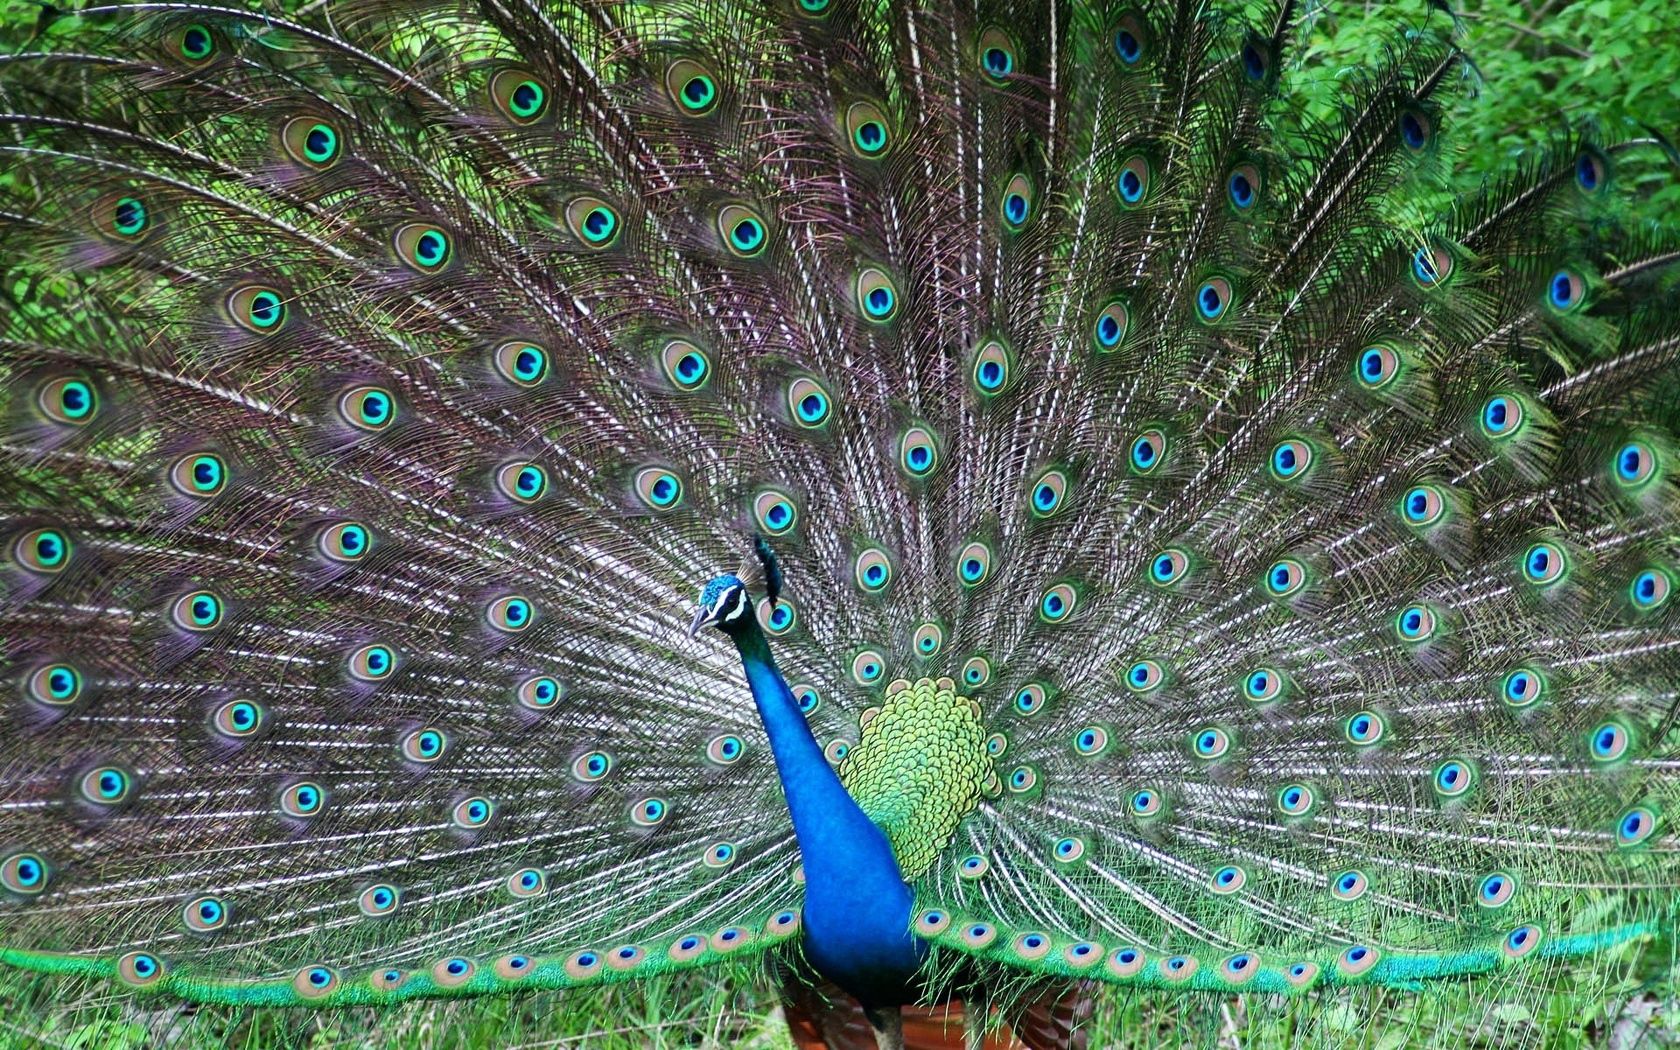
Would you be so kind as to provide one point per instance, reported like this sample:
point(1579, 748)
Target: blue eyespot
point(1111, 326)
point(1378, 365)
point(1543, 564)
point(1048, 493)
point(876, 295)
point(1650, 589)
point(1636, 463)
point(1243, 187)
point(1565, 291)
point(1057, 603)
point(1213, 299)
point(1635, 826)
point(1422, 505)
point(1416, 623)
point(809, 403)
point(1452, 778)
point(1148, 451)
point(1415, 129)
point(1501, 416)
point(1610, 742)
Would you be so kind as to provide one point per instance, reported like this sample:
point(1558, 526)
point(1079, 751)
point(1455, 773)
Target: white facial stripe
point(716, 610)
point(740, 607)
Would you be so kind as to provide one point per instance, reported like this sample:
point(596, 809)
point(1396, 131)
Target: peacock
point(970, 499)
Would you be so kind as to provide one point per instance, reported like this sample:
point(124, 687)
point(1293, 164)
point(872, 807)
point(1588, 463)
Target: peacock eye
point(55, 685)
point(1635, 826)
point(1422, 505)
point(1210, 743)
point(1131, 41)
point(1144, 676)
point(814, 7)
point(122, 217)
point(527, 882)
point(1650, 588)
point(510, 614)
point(1416, 623)
point(1242, 187)
point(106, 786)
point(372, 663)
point(422, 247)
point(918, 452)
point(1091, 741)
point(1133, 183)
point(257, 308)
point(200, 475)
point(1285, 577)
point(204, 914)
point(193, 44)
point(1543, 564)
point(867, 667)
point(974, 564)
point(424, 746)
point(658, 488)
point(1263, 685)
point(1169, 567)
point(725, 750)
point(1566, 291)
point(808, 697)
point(521, 97)
point(1057, 603)
point(1502, 416)
point(809, 403)
point(45, 552)
point(1416, 129)
point(1431, 266)
point(311, 142)
point(369, 408)
point(592, 766)
point(976, 672)
point(691, 87)
point(777, 619)
point(927, 640)
point(539, 693)
point(876, 295)
point(197, 612)
point(1452, 778)
point(1049, 493)
point(866, 129)
point(1608, 742)
point(1017, 203)
point(1111, 325)
point(1146, 802)
point(237, 719)
point(649, 811)
point(1522, 686)
point(1030, 699)
point(1295, 800)
point(1291, 460)
point(68, 400)
point(774, 511)
point(1635, 464)
point(140, 968)
point(1592, 171)
point(1496, 890)
point(303, 800)
point(1213, 299)
point(1228, 879)
point(993, 367)
point(743, 231)
point(1148, 451)
point(379, 900)
point(592, 221)
point(1349, 885)
point(520, 363)
point(1256, 60)
point(1364, 728)
point(344, 542)
point(997, 55)
point(470, 814)
point(1067, 850)
point(873, 570)
point(719, 855)
point(1377, 367)
point(686, 366)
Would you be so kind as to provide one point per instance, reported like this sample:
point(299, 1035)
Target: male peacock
point(1192, 580)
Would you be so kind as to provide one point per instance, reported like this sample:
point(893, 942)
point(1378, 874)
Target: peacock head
point(724, 604)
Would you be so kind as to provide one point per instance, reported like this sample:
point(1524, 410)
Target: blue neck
point(857, 907)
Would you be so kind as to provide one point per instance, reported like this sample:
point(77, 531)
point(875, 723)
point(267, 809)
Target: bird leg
point(888, 1023)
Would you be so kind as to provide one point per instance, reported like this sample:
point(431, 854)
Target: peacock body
point(1192, 581)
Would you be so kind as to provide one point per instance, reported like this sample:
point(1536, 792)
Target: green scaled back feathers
point(380, 389)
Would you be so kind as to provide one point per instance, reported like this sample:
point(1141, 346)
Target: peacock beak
point(701, 616)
